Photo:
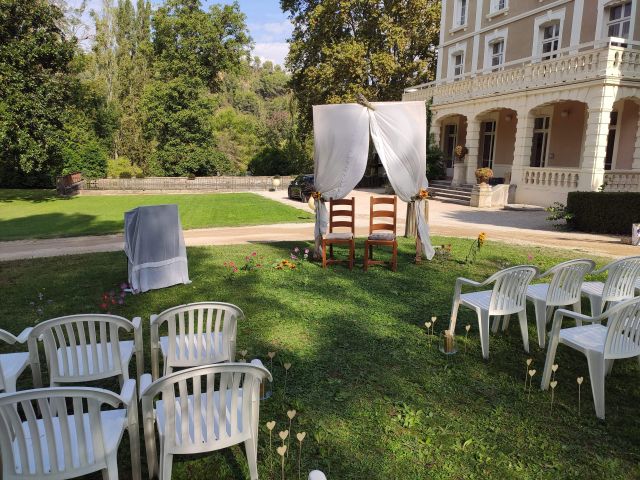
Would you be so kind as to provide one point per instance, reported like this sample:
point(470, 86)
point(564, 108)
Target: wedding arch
point(341, 148)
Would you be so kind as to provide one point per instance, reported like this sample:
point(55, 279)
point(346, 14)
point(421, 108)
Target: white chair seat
point(243, 435)
point(114, 423)
point(585, 338)
point(538, 291)
point(476, 299)
point(592, 288)
point(126, 352)
point(13, 364)
point(339, 236)
point(385, 237)
point(215, 339)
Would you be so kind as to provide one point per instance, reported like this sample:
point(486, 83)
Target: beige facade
point(545, 92)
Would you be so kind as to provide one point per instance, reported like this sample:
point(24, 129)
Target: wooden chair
point(340, 238)
point(386, 237)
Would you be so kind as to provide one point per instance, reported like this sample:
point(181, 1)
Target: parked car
point(301, 188)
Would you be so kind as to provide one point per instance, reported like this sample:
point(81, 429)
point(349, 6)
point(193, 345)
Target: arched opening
point(497, 141)
point(453, 132)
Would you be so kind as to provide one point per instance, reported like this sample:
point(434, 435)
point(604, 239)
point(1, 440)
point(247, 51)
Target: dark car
point(301, 188)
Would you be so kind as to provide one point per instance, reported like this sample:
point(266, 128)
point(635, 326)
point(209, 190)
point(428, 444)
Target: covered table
point(154, 244)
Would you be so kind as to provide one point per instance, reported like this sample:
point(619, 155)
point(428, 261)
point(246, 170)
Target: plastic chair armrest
point(24, 335)
point(128, 393)
point(145, 381)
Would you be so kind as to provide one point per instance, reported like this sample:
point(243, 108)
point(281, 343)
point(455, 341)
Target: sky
point(268, 26)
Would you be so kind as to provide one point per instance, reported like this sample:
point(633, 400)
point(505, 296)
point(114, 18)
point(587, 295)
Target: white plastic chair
point(601, 345)
point(190, 420)
point(508, 296)
point(620, 284)
point(48, 433)
point(562, 291)
point(638, 286)
point(198, 334)
point(12, 364)
point(86, 347)
point(317, 475)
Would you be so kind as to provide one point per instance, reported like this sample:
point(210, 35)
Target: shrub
point(125, 175)
point(435, 160)
point(89, 157)
point(604, 212)
point(117, 166)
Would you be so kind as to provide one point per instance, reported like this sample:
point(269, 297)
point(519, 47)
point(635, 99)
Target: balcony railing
point(608, 61)
point(560, 178)
point(622, 181)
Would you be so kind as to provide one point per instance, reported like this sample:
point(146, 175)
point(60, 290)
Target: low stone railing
point(622, 181)
point(562, 178)
point(209, 184)
point(610, 61)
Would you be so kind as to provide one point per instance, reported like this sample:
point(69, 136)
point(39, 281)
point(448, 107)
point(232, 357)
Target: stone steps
point(445, 192)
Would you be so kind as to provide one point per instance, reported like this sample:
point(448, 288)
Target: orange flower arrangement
point(317, 195)
point(423, 194)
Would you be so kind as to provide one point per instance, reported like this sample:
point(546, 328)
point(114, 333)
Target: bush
point(435, 160)
point(121, 165)
point(604, 212)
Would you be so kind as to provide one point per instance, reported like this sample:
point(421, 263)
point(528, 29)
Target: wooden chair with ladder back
point(382, 233)
point(340, 238)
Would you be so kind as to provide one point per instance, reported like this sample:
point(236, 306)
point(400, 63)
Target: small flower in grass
point(235, 269)
point(293, 257)
point(529, 257)
point(253, 254)
point(124, 286)
point(104, 306)
point(306, 251)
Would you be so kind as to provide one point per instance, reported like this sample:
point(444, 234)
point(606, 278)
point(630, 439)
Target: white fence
point(202, 184)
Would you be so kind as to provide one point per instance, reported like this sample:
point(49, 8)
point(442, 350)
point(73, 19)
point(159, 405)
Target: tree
point(189, 41)
point(340, 48)
point(35, 58)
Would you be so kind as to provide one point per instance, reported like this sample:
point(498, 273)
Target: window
point(458, 65)
point(498, 5)
point(611, 141)
point(619, 21)
point(497, 54)
point(460, 13)
point(450, 142)
point(540, 141)
point(488, 143)
point(550, 40)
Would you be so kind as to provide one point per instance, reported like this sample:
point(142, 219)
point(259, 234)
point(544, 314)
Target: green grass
point(42, 214)
point(375, 396)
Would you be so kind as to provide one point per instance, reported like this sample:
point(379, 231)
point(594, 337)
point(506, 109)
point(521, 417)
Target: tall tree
point(340, 48)
point(35, 58)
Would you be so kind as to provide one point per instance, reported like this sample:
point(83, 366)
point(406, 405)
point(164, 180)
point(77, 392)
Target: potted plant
point(460, 151)
point(483, 175)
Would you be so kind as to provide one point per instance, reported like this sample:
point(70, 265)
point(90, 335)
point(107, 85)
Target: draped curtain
point(341, 147)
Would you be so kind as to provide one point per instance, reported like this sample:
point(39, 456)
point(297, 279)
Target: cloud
point(274, 51)
point(271, 32)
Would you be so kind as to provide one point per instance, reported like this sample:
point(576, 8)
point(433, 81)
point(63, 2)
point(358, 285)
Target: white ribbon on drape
point(399, 133)
point(341, 147)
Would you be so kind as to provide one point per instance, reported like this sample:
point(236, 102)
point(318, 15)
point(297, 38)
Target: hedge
point(604, 212)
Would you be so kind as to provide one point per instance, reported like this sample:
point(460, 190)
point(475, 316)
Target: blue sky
point(269, 27)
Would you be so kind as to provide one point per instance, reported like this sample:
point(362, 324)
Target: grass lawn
point(42, 214)
point(375, 396)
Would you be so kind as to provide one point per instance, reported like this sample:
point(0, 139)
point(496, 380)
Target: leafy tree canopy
point(340, 48)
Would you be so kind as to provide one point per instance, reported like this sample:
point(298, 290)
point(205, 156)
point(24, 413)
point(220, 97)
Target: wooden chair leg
point(394, 259)
point(331, 251)
point(352, 253)
point(324, 254)
point(365, 263)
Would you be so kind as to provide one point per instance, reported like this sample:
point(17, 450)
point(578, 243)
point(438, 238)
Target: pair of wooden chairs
point(381, 233)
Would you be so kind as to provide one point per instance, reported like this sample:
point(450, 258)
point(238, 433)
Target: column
point(435, 131)
point(595, 148)
point(522, 147)
point(473, 144)
point(636, 153)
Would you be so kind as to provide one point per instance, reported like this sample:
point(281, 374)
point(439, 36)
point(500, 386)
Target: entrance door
point(450, 142)
point(488, 144)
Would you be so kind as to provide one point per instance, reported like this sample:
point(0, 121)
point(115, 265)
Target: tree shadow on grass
point(29, 195)
point(55, 225)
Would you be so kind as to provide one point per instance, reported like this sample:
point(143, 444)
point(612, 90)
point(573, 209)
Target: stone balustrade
point(562, 178)
point(622, 181)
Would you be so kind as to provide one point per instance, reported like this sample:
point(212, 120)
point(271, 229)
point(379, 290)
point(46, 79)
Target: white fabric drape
point(399, 133)
point(155, 248)
point(341, 147)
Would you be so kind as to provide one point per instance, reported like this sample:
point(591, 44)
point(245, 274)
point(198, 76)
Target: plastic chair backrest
point(623, 330)
point(5, 337)
point(510, 289)
point(203, 425)
point(80, 348)
point(32, 449)
point(567, 280)
point(201, 333)
point(620, 283)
